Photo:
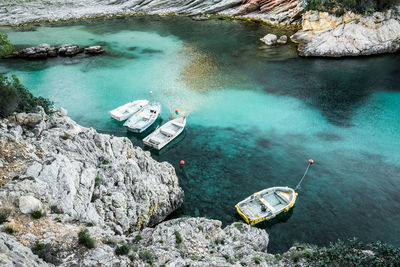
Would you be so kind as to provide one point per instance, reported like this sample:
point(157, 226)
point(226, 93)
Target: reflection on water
point(254, 117)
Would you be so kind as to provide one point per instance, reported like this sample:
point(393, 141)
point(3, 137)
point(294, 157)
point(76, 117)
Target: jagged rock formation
point(323, 34)
point(275, 11)
point(21, 11)
point(79, 174)
point(45, 50)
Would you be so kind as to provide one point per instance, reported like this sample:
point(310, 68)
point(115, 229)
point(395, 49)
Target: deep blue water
point(255, 116)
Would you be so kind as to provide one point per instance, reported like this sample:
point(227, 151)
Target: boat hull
point(148, 140)
point(142, 119)
point(283, 198)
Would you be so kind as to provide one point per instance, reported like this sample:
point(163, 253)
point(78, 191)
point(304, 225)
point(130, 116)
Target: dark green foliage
point(146, 255)
point(37, 214)
point(4, 213)
point(256, 260)
point(106, 161)
point(15, 97)
point(353, 253)
point(137, 238)
point(238, 225)
point(85, 239)
point(46, 252)
point(338, 7)
point(5, 46)
point(91, 224)
point(95, 197)
point(9, 229)
point(122, 249)
point(200, 227)
point(178, 237)
point(97, 181)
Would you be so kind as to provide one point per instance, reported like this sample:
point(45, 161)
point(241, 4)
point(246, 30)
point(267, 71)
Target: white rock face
point(282, 39)
point(82, 175)
point(349, 35)
point(27, 204)
point(269, 39)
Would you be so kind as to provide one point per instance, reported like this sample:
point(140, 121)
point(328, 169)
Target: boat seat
point(263, 201)
point(177, 124)
point(283, 196)
point(167, 132)
point(156, 140)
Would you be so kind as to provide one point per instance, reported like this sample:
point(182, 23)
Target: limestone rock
point(282, 39)
point(13, 253)
point(269, 39)
point(323, 34)
point(64, 161)
point(28, 204)
point(94, 50)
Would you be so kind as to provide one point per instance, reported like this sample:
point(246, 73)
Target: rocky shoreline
point(76, 178)
point(321, 34)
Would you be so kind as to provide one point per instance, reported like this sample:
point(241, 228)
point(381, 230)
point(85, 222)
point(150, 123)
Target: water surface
point(255, 116)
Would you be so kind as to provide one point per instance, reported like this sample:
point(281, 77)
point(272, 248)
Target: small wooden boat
point(125, 111)
point(266, 204)
point(145, 117)
point(166, 133)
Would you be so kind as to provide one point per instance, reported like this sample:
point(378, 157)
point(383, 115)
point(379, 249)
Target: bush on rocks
point(14, 97)
point(85, 239)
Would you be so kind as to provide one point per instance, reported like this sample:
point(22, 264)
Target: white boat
point(166, 133)
point(266, 204)
point(125, 111)
point(145, 117)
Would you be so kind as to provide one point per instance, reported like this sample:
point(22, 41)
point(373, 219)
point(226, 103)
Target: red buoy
point(176, 111)
point(182, 162)
point(150, 92)
point(310, 161)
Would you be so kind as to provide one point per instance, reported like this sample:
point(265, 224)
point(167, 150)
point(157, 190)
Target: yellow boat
point(266, 204)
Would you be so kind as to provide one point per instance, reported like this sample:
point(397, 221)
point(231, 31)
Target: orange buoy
point(182, 162)
point(310, 161)
point(176, 111)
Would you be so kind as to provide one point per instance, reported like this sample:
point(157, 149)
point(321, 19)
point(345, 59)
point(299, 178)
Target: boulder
point(269, 39)
point(94, 50)
point(28, 204)
point(282, 39)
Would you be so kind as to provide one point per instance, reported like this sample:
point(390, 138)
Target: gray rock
point(353, 35)
point(65, 158)
point(269, 39)
point(28, 204)
point(94, 50)
point(282, 39)
point(13, 253)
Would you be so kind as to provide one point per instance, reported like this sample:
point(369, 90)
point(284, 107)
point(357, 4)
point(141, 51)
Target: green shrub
point(97, 181)
point(5, 46)
point(178, 237)
point(95, 197)
point(238, 225)
point(37, 214)
point(256, 260)
point(137, 238)
point(200, 227)
point(122, 249)
point(91, 224)
point(4, 213)
point(15, 97)
point(147, 256)
point(106, 161)
point(85, 239)
point(9, 229)
point(46, 252)
point(338, 7)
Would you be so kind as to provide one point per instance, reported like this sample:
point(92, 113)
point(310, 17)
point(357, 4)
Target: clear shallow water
point(254, 117)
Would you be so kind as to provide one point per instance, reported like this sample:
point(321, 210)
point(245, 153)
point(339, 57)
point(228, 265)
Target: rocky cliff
point(22, 11)
point(323, 34)
point(72, 172)
point(58, 178)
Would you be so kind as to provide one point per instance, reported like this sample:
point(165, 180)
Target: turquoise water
point(255, 116)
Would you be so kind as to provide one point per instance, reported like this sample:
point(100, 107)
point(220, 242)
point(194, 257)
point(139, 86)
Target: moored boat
point(125, 111)
point(266, 204)
point(165, 134)
point(145, 117)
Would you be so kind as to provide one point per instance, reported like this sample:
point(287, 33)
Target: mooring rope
point(305, 173)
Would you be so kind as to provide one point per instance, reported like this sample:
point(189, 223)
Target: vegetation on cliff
point(14, 97)
point(358, 6)
point(6, 46)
